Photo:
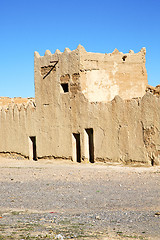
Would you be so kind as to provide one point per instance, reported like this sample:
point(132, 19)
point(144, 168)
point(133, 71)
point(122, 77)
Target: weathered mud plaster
point(88, 107)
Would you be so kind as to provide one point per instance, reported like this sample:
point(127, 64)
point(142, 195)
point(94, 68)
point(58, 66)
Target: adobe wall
point(17, 123)
point(124, 130)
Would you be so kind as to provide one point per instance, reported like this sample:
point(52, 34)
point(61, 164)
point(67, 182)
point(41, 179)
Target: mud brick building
point(87, 107)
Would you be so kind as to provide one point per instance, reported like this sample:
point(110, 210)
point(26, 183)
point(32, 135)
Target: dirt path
point(58, 199)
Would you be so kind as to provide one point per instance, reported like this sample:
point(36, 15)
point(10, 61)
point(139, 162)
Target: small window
point(124, 58)
point(64, 87)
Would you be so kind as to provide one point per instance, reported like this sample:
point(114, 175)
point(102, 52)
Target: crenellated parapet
point(81, 50)
point(153, 90)
point(14, 110)
point(6, 101)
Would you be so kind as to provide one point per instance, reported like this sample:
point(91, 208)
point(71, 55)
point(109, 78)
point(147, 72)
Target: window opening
point(76, 147)
point(64, 87)
point(32, 148)
point(124, 58)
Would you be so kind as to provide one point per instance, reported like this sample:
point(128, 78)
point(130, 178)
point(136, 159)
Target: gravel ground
point(57, 199)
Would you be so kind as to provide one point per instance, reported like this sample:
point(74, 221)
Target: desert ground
point(59, 199)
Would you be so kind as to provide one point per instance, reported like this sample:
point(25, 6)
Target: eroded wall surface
point(17, 123)
point(103, 76)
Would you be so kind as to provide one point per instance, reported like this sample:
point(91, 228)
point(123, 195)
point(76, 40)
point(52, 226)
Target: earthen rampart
point(17, 122)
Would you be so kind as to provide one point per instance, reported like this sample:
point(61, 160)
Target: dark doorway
point(77, 147)
point(32, 148)
point(89, 132)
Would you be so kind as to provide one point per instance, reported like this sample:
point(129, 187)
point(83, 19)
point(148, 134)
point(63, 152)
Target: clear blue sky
point(100, 26)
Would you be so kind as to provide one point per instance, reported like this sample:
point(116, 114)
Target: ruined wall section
point(103, 76)
point(17, 123)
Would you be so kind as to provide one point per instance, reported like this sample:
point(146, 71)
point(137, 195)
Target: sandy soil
point(57, 199)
